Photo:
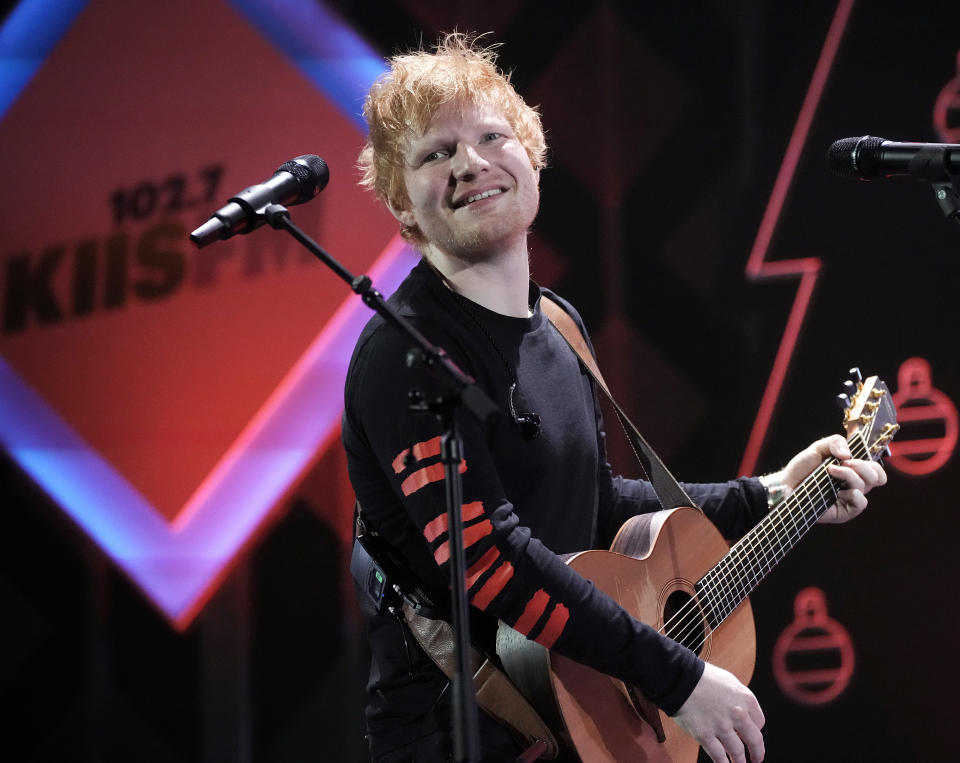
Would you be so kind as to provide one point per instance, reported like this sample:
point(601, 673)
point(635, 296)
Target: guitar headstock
point(869, 411)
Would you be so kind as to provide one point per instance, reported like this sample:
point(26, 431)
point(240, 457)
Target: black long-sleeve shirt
point(524, 500)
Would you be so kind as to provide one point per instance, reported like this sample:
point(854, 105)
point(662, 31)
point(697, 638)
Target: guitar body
point(651, 570)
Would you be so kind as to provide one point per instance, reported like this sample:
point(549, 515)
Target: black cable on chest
point(529, 424)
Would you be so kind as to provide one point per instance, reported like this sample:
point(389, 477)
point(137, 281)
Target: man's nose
point(467, 162)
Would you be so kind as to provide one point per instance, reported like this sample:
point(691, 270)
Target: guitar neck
point(749, 560)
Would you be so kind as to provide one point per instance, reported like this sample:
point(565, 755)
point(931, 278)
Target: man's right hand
point(723, 715)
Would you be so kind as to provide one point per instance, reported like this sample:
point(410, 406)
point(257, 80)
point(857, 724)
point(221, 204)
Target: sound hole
point(684, 621)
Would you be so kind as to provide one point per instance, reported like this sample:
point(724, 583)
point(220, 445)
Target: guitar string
point(718, 597)
point(739, 554)
point(746, 553)
point(743, 561)
point(792, 512)
point(780, 522)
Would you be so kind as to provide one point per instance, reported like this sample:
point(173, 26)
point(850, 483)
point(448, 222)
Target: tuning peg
point(843, 402)
point(887, 452)
point(849, 388)
point(856, 375)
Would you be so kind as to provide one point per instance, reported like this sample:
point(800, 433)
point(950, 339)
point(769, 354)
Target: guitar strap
point(668, 490)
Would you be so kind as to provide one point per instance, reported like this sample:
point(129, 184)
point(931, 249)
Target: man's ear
point(405, 216)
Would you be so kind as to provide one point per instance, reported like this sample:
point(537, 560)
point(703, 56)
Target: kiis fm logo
point(145, 258)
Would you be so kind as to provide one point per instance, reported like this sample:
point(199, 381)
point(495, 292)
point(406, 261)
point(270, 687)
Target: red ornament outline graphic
point(914, 383)
point(810, 613)
point(947, 100)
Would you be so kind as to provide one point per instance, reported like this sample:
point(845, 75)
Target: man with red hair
point(455, 154)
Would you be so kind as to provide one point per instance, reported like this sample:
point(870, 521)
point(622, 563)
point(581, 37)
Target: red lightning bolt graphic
point(807, 268)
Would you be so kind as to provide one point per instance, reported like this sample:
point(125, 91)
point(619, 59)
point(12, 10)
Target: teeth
point(484, 195)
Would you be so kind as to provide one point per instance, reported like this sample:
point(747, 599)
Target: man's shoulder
point(416, 301)
point(382, 345)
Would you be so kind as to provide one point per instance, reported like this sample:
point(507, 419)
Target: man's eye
point(434, 155)
point(490, 136)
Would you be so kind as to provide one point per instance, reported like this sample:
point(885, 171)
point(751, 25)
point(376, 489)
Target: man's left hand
point(857, 476)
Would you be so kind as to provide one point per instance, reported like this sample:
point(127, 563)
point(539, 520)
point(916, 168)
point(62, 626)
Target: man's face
point(473, 192)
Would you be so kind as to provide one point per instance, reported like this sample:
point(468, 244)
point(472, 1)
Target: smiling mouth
point(480, 196)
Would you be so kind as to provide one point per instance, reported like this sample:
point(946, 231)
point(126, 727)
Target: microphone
point(867, 158)
point(528, 423)
point(293, 182)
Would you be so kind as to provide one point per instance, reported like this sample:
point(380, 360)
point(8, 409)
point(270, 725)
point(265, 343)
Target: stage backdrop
point(177, 505)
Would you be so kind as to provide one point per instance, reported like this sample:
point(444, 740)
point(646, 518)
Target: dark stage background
point(728, 279)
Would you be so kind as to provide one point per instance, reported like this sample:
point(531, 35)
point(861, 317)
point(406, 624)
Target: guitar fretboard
point(749, 560)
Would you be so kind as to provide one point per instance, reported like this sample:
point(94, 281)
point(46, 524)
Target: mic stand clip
point(932, 164)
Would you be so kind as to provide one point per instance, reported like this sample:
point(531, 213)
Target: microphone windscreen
point(855, 157)
point(312, 175)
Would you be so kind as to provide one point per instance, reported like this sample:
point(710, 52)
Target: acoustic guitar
point(674, 571)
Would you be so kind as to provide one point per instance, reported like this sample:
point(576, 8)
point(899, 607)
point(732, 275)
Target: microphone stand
point(460, 389)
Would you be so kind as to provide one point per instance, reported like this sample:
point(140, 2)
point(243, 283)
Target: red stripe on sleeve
point(438, 526)
point(482, 565)
point(426, 475)
point(532, 612)
point(471, 510)
point(471, 535)
point(493, 586)
point(435, 528)
point(400, 462)
point(421, 450)
point(554, 627)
